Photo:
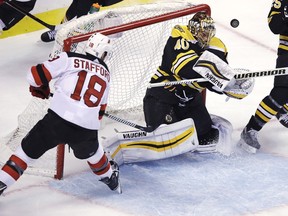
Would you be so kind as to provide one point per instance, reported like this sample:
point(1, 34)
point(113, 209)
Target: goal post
point(141, 37)
point(60, 155)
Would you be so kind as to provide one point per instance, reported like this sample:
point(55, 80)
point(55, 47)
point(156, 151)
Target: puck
point(234, 23)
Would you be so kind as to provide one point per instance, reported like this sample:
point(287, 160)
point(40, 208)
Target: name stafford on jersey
point(91, 66)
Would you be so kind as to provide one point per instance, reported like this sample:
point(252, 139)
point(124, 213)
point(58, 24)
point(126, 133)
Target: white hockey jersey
point(81, 87)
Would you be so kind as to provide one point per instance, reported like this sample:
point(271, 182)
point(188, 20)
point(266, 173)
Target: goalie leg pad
point(166, 141)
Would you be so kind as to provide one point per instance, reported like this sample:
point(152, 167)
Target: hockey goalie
point(172, 109)
point(168, 140)
point(180, 137)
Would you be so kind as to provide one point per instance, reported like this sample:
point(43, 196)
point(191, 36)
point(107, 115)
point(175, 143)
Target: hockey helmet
point(202, 27)
point(99, 46)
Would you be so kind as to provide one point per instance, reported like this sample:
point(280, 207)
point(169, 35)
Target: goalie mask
point(99, 46)
point(202, 28)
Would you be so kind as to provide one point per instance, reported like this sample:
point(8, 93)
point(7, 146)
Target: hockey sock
point(266, 110)
point(100, 164)
point(15, 167)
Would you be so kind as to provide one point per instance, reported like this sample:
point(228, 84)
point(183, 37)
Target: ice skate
point(113, 182)
point(249, 141)
point(282, 116)
point(2, 187)
point(48, 36)
point(208, 142)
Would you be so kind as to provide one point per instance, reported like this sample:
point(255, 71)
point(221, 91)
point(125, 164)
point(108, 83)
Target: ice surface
point(190, 184)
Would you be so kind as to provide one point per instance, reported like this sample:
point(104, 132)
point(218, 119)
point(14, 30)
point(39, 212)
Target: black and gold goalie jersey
point(278, 25)
point(180, 54)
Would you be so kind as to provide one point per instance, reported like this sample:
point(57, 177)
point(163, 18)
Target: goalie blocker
point(164, 142)
point(222, 76)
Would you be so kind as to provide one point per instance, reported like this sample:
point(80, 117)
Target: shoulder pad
point(216, 43)
point(182, 31)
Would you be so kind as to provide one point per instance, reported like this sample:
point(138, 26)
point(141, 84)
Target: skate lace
point(254, 135)
point(51, 34)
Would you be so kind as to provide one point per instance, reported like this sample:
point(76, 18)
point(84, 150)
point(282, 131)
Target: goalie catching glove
point(42, 92)
point(239, 88)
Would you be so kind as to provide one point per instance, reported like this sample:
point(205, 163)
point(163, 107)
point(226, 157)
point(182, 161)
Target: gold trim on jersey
point(157, 146)
point(181, 31)
point(274, 12)
point(181, 60)
point(271, 15)
point(195, 85)
point(217, 44)
point(184, 40)
point(283, 42)
point(159, 73)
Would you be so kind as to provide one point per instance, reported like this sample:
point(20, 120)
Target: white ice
point(190, 184)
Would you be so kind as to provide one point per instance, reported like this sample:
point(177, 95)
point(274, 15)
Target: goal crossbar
point(140, 23)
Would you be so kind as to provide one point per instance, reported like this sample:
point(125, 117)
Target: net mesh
point(36, 109)
point(136, 56)
point(137, 52)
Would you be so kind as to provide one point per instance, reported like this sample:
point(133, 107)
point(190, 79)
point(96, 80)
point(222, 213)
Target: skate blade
point(119, 189)
point(203, 149)
point(247, 148)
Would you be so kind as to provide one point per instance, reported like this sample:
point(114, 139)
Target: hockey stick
point(51, 27)
point(123, 121)
point(15, 7)
point(263, 73)
point(179, 82)
point(131, 124)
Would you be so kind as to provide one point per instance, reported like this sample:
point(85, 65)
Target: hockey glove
point(240, 88)
point(42, 92)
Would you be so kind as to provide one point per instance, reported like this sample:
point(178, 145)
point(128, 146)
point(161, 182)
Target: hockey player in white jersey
point(78, 104)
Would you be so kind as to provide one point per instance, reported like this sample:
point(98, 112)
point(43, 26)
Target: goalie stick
point(263, 73)
point(131, 124)
point(15, 7)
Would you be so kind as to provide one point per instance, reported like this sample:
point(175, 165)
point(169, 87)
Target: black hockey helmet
point(202, 27)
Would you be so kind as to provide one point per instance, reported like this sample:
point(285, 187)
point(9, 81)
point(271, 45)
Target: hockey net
point(141, 35)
